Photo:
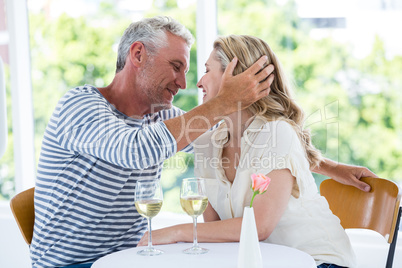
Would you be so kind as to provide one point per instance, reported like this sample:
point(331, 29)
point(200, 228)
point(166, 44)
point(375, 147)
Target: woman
point(266, 138)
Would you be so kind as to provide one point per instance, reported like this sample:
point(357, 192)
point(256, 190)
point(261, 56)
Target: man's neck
point(115, 95)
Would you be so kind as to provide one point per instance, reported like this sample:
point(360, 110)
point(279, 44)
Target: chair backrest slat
point(22, 206)
point(376, 210)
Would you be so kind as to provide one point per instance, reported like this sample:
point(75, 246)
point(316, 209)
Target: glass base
point(195, 250)
point(149, 252)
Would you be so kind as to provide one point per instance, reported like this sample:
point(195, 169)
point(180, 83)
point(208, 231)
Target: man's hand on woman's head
point(240, 91)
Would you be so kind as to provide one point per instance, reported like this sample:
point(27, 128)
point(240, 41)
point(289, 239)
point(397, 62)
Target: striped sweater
point(91, 157)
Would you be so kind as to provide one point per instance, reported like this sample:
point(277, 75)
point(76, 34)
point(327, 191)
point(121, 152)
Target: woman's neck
point(237, 123)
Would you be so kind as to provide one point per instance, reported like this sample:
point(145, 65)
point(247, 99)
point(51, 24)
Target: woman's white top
point(307, 223)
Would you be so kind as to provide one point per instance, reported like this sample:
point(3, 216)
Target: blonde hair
point(279, 104)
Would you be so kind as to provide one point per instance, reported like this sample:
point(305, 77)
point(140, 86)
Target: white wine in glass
point(148, 202)
point(195, 205)
point(194, 201)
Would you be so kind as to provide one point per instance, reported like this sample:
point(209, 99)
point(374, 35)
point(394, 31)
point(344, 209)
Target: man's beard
point(153, 91)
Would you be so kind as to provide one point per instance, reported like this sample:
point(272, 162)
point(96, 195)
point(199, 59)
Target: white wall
point(14, 252)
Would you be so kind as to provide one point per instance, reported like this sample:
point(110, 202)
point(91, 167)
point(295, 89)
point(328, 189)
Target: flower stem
point(252, 199)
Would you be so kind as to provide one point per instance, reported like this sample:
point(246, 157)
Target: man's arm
point(236, 93)
point(345, 174)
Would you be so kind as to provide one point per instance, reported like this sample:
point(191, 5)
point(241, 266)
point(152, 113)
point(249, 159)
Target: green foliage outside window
point(353, 106)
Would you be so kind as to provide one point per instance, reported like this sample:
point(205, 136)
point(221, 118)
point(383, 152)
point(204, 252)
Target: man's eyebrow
point(178, 61)
point(181, 64)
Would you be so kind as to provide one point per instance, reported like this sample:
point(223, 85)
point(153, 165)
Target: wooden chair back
point(22, 206)
point(376, 210)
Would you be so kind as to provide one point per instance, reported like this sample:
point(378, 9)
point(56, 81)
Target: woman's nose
point(199, 83)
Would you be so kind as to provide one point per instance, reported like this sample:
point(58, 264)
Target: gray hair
point(152, 33)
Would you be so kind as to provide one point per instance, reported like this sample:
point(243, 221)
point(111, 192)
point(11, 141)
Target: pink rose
point(259, 185)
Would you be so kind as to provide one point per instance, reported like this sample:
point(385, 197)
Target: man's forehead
point(179, 44)
point(176, 50)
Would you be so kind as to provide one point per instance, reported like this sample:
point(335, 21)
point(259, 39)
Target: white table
point(220, 255)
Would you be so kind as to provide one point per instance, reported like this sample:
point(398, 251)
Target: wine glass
point(148, 201)
point(194, 201)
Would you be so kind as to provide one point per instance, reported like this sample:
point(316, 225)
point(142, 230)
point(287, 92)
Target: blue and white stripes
point(91, 157)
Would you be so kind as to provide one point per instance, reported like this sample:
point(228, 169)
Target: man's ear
point(137, 53)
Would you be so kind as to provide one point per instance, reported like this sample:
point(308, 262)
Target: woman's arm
point(268, 209)
point(345, 174)
point(210, 214)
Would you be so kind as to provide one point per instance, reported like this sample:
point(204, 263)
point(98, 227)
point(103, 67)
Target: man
point(99, 142)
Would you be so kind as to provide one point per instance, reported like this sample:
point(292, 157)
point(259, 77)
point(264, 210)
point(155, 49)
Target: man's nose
point(181, 81)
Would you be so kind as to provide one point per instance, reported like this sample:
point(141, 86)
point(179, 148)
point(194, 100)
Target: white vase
point(249, 247)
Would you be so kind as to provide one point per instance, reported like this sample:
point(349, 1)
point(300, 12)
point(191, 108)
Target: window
point(342, 56)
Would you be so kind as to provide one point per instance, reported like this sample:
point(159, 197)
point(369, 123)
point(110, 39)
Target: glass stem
point(195, 244)
point(149, 234)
